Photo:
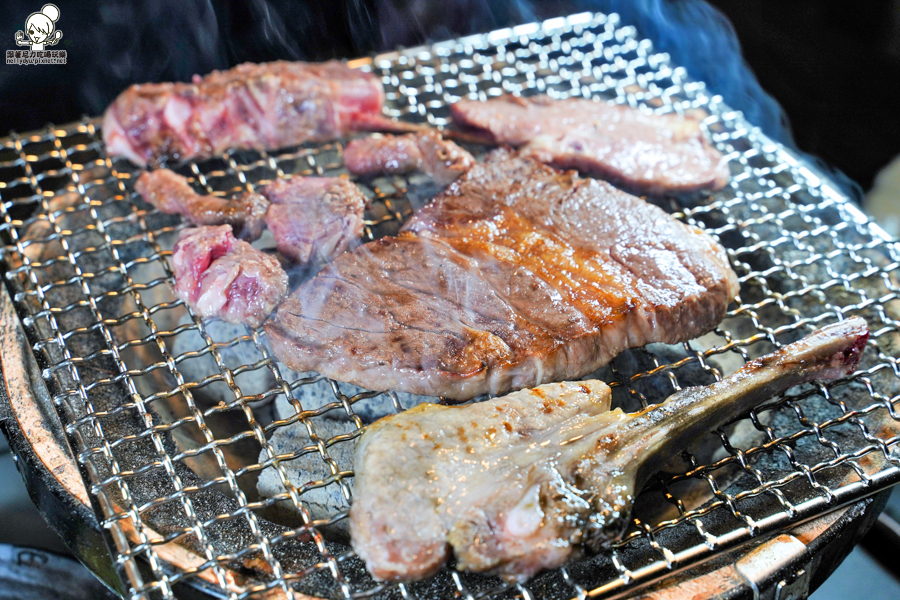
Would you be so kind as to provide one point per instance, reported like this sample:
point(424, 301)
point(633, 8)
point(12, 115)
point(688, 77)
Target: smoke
point(141, 42)
point(413, 22)
point(695, 34)
point(173, 39)
point(702, 39)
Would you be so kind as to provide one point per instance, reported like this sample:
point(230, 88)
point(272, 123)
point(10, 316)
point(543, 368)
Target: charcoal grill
point(170, 475)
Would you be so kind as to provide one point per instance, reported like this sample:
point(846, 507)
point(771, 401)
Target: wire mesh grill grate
point(178, 421)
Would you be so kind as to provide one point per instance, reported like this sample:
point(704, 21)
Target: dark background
point(834, 66)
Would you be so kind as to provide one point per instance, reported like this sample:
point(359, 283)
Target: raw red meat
point(220, 276)
point(260, 106)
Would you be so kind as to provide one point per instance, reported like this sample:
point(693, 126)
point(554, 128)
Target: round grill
point(176, 420)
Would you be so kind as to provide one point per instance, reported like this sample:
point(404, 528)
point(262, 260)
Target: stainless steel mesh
point(173, 451)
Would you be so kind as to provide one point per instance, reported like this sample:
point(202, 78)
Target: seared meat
point(428, 152)
point(219, 276)
point(383, 154)
point(516, 275)
point(309, 216)
point(520, 483)
point(653, 153)
point(172, 194)
point(262, 106)
point(314, 216)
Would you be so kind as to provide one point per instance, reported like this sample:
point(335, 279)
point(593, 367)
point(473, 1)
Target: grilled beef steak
point(172, 194)
point(428, 152)
point(517, 275)
point(261, 106)
point(520, 483)
point(314, 216)
point(219, 276)
point(653, 153)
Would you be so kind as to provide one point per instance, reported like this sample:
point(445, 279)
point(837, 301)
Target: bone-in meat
point(522, 483)
point(649, 152)
point(220, 276)
point(260, 106)
point(517, 275)
point(314, 217)
point(172, 194)
point(428, 152)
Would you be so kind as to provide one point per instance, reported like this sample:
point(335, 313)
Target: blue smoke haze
point(120, 43)
point(702, 39)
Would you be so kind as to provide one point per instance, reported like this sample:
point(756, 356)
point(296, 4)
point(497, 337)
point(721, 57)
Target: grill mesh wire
point(86, 259)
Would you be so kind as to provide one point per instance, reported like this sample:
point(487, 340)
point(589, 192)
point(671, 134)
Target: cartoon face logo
point(40, 27)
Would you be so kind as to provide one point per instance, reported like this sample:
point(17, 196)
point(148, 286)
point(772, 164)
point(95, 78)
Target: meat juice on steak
point(257, 106)
point(220, 276)
point(428, 152)
point(171, 193)
point(516, 275)
point(521, 483)
point(650, 152)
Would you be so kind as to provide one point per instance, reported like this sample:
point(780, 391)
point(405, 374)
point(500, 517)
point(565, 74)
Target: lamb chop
point(260, 106)
point(428, 152)
point(649, 152)
point(515, 276)
point(220, 276)
point(171, 193)
point(522, 483)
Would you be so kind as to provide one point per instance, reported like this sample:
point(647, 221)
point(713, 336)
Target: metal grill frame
point(589, 55)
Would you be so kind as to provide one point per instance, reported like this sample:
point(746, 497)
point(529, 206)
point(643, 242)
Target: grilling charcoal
point(170, 517)
point(121, 419)
point(368, 406)
point(310, 475)
point(234, 348)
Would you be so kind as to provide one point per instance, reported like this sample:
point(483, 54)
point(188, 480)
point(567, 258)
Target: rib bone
point(521, 483)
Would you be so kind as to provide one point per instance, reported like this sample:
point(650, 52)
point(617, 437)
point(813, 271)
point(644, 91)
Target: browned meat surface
point(172, 194)
point(516, 275)
point(219, 276)
point(653, 153)
point(383, 154)
point(261, 106)
point(522, 483)
point(428, 152)
point(314, 217)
